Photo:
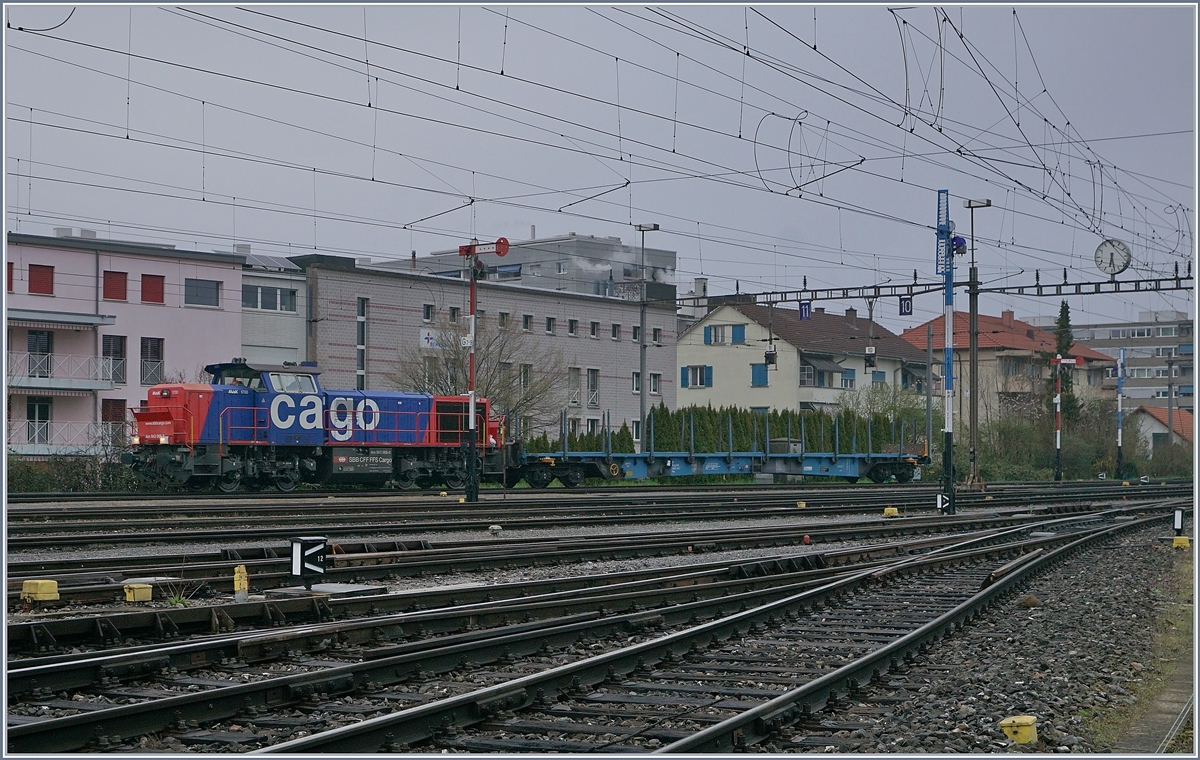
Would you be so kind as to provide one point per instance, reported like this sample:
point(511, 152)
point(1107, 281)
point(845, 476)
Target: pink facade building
point(91, 324)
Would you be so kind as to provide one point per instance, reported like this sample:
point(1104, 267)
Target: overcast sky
point(771, 144)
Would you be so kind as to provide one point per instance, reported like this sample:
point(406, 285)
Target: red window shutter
point(112, 410)
point(10, 276)
point(152, 288)
point(115, 286)
point(41, 279)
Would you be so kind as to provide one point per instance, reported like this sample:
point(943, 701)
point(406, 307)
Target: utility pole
point(947, 247)
point(1170, 400)
point(643, 378)
point(1120, 393)
point(973, 294)
point(475, 269)
point(1057, 362)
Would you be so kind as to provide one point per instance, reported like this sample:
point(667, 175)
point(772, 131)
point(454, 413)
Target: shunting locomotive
point(257, 425)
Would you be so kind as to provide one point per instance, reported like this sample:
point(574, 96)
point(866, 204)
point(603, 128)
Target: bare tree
point(522, 377)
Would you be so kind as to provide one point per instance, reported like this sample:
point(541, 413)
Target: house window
point(526, 377)
point(1166, 350)
point(573, 376)
point(1116, 334)
point(113, 347)
point(616, 331)
point(454, 314)
point(594, 330)
point(758, 375)
point(637, 429)
point(527, 322)
point(656, 335)
point(593, 425)
point(551, 324)
point(153, 286)
point(714, 335)
point(112, 410)
point(1165, 332)
point(502, 319)
point(573, 426)
point(152, 361)
point(878, 377)
point(115, 286)
point(807, 375)
point(202, 292)
point(41, 279)
point(848, 379)
point(637, 382)
point(655, 382)
point(360, 348)
point(696, 376)
point(427, 312)
point(1141, 332)
point(41, 352)
point(593, 387)
point(562, 267)
point(37, 419)
point(637, 333)
point(572, 326)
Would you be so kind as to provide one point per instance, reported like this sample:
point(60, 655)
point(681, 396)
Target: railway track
point(636, 668)
point(33, 527)
point(100, 579)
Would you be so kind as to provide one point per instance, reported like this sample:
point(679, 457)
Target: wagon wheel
point(230, 481)
point(539, 478)
point(286, 481)
point(904, 475)
point(571, 478)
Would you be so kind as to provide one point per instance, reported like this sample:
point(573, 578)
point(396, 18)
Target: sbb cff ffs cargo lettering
point(257, 425)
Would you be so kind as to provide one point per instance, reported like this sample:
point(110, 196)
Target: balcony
point(152, 372)
point(60, 371)
point(29, 438)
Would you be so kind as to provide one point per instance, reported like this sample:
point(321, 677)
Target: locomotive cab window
point(287, 382)
point(247, 377)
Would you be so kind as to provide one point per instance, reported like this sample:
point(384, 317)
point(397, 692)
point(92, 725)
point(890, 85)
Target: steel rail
point(73, 732)
point(399, 730)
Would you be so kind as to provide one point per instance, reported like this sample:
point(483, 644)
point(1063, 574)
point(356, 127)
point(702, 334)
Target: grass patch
point(1172, 642)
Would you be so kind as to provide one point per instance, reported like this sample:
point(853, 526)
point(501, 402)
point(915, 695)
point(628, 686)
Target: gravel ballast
point(1070, 648)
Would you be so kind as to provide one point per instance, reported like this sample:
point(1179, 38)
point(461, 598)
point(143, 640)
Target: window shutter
point(758, 375)
point(10, 276)
point(683, 372)
point(152, 288)
point(707, 336)
point(708, 376)
point(115, 286)
point(739, 333)
point(41, 279)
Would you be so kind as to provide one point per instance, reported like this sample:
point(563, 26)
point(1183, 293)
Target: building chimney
point(1006, 318)
point(89, 234)
point(242, 248)
point(533, 232)
point(851, 315)
point(701, 286)
point(63, 232)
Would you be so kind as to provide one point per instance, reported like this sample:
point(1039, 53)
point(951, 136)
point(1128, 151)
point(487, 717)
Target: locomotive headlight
point(164, 439)
point(136, 440)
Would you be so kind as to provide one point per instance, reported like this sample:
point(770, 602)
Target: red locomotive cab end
point(172, 414)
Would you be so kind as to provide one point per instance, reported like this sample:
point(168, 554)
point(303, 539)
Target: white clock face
point(1113, 257)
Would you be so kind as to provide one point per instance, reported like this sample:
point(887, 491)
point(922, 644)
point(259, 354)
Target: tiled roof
point(1184, 422)
point(997, 333)
point(831, 334)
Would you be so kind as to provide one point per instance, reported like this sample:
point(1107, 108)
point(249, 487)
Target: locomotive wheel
point(253, 484)
point(287, 481)
point(407, 479)
point(198, 483)
point(572, 478)
point(539, 478)
point(425, 483)
point(229, 482)
point(455, 480)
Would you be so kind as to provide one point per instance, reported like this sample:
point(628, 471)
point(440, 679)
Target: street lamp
point(973, 293)
point(642, 377)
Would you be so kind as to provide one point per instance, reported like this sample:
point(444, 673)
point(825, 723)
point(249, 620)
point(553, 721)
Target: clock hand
point(1111, 263)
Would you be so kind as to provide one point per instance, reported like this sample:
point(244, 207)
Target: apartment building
point(274, 309)
point(1158, 354)
point(92, 323)
point(722, 358)
point(365, 320)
